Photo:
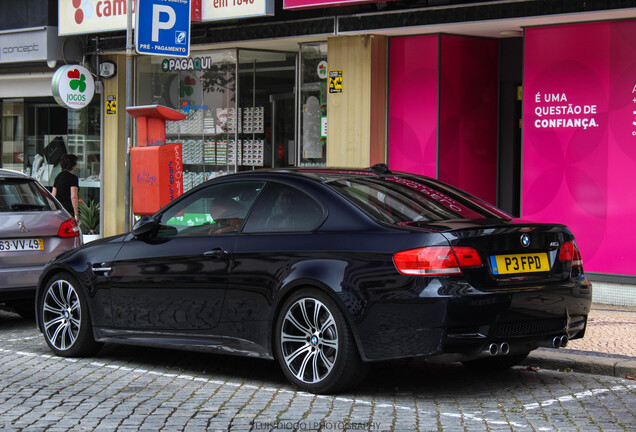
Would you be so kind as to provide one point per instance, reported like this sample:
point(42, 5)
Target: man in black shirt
point(66, 185)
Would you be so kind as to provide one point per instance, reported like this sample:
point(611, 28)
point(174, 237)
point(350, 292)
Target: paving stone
point(141, 389)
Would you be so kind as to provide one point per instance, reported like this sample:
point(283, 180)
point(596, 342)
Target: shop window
point(36, 132)
point(203, 88)
point(239, 107)
point(267, 99)
point(13, 134)
point(313, 103)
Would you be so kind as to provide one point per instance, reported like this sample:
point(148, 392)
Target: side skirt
point(211, 344)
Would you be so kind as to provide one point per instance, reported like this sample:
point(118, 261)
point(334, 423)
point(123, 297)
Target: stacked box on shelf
point(253, 152)
point(187, 181)
point(221, 152)
point(199, 177)
point(248, 119)
point(209, 152)
point(192, 151)
point(254, 120)
point(192, 179)
point(172, 127)
point(234, 151)
point(259, 120)
point(234, 118)
point(186, 152)
point(208, 123)
point(197, 150)
point(192, 124)
point(260, 152)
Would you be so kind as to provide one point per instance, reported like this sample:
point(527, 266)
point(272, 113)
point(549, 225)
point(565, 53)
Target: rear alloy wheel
point(314, 345)
point(65, 318)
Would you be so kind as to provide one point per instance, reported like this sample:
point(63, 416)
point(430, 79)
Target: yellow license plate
point(18, 245)
point(520, 263)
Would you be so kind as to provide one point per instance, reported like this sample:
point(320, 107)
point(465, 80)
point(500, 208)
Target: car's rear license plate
point(17, 245)
point(520, 263)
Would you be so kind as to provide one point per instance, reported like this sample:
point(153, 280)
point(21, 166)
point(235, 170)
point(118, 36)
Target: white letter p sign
point(157, 24)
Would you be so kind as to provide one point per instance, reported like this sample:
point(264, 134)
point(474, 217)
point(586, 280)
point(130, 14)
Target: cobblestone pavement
point(138, 389)
point(610, 330)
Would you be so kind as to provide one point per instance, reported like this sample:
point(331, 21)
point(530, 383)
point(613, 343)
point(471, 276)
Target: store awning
point(26, 85)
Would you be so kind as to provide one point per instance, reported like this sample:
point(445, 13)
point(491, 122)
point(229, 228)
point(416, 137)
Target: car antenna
point(380, 169)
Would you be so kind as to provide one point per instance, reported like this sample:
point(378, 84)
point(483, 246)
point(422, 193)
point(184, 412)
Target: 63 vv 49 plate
point(18, 245)
point(520, 263)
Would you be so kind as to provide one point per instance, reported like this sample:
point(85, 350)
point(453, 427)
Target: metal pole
point(129, 53)
point(101, 148)
point(236, 110)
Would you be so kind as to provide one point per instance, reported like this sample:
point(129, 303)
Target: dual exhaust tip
point(503, 348)
point(560, 341)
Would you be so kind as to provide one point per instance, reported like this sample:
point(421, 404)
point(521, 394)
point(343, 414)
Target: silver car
point(34, 228)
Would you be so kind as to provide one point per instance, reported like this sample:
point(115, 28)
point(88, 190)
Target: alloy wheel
point(309, 340)
point(61, 315)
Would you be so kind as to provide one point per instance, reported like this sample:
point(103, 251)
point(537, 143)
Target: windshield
point(401, 199)
point(24, 195)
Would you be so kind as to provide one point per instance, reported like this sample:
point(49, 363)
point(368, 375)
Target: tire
point(314, 345)
point(65, 318)
point(493, 364)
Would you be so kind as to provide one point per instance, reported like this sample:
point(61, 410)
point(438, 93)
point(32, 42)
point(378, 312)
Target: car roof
point(6, 173)
point(324, 174)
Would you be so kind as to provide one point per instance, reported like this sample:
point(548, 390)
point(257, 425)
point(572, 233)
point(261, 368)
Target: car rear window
point(24, 195)
point(398, 199)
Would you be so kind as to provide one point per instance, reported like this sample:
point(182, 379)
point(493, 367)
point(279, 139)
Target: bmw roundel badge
point(525, 240)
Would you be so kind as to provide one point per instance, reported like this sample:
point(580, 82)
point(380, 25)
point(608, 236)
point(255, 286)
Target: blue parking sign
point(163, 27)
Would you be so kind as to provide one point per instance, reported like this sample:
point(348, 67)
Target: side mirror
point(144, 226)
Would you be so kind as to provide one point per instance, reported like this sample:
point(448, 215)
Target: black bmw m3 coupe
point(324, 271)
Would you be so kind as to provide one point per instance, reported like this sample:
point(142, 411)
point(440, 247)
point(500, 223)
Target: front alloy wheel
point(65, 321)
point(314, 344)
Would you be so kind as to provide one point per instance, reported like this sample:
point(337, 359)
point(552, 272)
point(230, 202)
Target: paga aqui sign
point(73, 86)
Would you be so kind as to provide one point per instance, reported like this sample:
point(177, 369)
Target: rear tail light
point(436, 260)
point(570, 252)
point(69, 228)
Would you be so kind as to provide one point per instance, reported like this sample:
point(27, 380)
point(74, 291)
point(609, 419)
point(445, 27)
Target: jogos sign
point(73, 86)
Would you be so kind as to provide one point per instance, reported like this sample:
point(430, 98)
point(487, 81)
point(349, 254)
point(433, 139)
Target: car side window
point(284, 209)
point(216, 209)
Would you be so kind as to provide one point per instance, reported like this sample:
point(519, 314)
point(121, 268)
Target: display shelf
point(204, 165)
point(219, 121)
point(200, 135)
point(89, 184)
point(218, 141)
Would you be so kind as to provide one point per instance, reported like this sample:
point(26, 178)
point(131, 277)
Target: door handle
point(216, 254)
point(101, 269)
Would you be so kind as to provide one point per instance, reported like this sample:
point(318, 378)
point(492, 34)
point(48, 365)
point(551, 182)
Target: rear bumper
point(460, 324)
point(18, 280)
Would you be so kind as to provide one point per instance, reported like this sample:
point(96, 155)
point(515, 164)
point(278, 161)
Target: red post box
point(157, 177)
point(156, 167)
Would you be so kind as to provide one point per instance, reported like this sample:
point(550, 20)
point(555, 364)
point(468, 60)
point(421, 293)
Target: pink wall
point(451, 100)
point(413, 104)
point(468, 115)
point(579, 137)
point(303, 4)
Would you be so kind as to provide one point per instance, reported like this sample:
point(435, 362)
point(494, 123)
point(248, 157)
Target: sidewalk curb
point(593, 364)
